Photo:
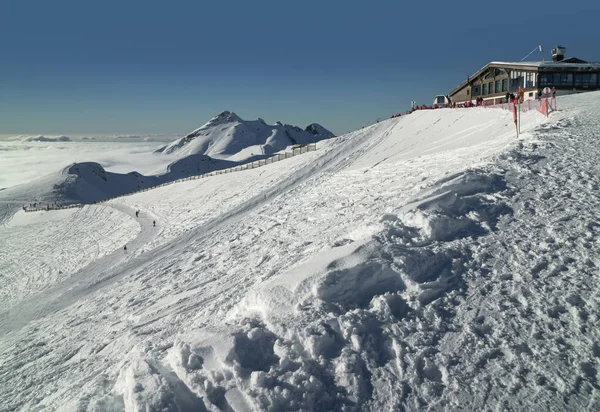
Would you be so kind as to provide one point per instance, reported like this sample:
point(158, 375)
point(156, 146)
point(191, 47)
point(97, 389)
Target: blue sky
point(76, 67)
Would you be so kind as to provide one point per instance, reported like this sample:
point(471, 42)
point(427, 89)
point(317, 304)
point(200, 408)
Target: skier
point(154, 223)
point(137, 213)
point(553, 92)
point(125, 248)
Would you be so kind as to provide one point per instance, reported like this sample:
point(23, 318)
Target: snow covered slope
point(427, 262)
point(227, 136)
point(224, 142)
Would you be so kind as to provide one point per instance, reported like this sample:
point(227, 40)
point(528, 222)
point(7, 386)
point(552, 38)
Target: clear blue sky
point(75, 67)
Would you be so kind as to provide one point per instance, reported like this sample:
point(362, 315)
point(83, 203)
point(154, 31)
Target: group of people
point(510, 97)
point(541, 93)
point(478, 102)
point(137, 214)
point(32, 207)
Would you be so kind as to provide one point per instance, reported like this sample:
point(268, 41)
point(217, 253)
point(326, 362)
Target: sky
point(76, 67)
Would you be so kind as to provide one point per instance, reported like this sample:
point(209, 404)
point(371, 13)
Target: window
point(504, 85)
point(516, 80)
point(500, 73)
point(498, 86)
point(530, 94)
point(476, 91)
point(566, 79)
point(582, 79)
point(441, 100)
point(485, 90)
point(593, 79)
point(468, 91)
point(489, 76)
point(530, 80)
point(556, 79)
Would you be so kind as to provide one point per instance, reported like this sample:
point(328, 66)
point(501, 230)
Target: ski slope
point(430, 261)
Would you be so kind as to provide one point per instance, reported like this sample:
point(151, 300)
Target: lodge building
point(495, 79)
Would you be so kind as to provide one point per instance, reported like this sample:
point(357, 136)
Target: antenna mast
point(533, 51)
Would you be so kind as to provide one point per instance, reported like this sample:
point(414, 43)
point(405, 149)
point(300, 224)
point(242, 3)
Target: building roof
point(546, 64)
point(543, 65)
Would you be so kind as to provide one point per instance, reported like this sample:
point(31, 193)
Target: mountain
point(427, 262)
point(227, 136)
point(225, 141)
point(318, 130)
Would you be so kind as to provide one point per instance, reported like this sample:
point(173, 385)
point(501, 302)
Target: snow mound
point(88, 182)
point(373, 296)
point(227, 136)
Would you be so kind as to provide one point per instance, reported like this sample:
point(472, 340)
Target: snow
point(22, 160)
point(224, 142)
point(430, 261)
point(227, 136)
point(85, 235)
point(551, 64)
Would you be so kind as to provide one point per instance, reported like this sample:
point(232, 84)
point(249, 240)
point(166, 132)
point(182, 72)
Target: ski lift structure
point(441, 100)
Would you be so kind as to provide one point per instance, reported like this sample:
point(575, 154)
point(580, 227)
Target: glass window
point(529, 80)
point(489, 76)
point(582, 79)
point(593, 79)
point(516, 81)
point(500, 73)
point(504, 85)
point(476, 90)
point(498, 86)
point(485, 91)
point(556, 79)
point(566, 79)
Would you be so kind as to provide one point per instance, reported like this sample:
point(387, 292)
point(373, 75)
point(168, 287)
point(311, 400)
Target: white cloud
point(24, 160)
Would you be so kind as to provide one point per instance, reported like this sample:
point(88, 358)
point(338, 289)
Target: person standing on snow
point(137, 213)
point(154, 223)
point(125, 248)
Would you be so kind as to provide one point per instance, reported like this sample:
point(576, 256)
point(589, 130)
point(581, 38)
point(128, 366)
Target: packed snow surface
point(428, 262)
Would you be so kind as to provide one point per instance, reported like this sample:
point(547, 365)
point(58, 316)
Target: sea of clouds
point(26, 157)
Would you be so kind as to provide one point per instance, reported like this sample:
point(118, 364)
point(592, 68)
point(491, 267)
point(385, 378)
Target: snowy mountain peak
point(225, 117)
point(317, 129)
point(228, 137)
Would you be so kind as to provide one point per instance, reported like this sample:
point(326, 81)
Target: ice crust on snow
point(430, 261)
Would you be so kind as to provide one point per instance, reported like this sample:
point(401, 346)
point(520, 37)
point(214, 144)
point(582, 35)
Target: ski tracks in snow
point(70, 285)
point(382, 290)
